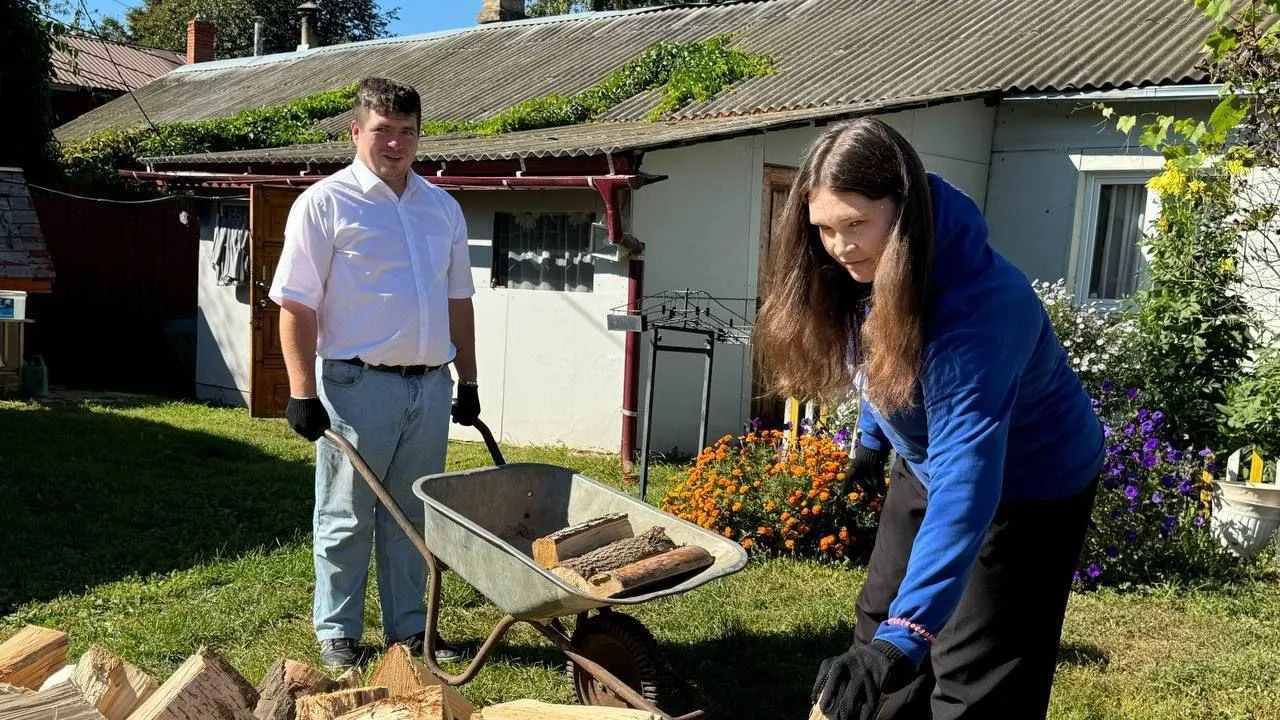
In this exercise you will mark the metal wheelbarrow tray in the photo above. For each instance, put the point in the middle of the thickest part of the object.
(482, 523)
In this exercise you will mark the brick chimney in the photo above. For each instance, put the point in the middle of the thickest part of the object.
(501, 11)
(200, 35)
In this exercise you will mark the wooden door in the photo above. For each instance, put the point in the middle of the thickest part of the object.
(269, 379)
(769, 410)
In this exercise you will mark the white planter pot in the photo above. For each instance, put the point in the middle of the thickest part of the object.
(1245, 517)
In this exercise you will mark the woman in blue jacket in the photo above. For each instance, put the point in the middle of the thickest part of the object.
(881, 278)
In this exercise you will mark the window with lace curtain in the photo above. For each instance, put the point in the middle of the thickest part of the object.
(543, 251)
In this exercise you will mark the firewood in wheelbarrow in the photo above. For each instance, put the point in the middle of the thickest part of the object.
(285, 682)
(817, 714)
(28, 658)
(621, 552)
(651, 570)
(335, 704)
(575, 540)
(400, 674)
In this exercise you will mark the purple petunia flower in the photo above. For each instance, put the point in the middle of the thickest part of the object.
(1112, 551)
(1131, 492)
(842, 436)
(1170, 521)
(1095, 403)
(1157, 497)
(1157, 416)
(1211, 467)
(1133, 506)
(1094, 570)
(1106, 431)
(786, 426)
(1076, 577)
(1151, 445)
(1148, 427)
(1150, 461)
(1143, 413)
(1175, 456)
(756, 424)
(1132, 394)
(1206, 452)
(1185, 487)
(1168, 481)
(1129, 429)
(1108, 386)
(1199, 521)
(1130, 534)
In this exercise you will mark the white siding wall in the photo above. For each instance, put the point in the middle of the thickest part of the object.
(223, 335)
(1031, 195)
(702, 228)
(549, 370)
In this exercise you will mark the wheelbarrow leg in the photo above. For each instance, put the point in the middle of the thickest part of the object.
(621, 689)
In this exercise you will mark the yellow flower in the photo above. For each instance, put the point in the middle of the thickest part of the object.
(1235, 166)
(1196, 186)
(1227, 265)
(1170, 182)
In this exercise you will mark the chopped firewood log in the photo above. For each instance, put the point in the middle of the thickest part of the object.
(650, 570)
(60, 702)
(620, 552)
(536, 710)
(330, 706)
(28, 658)
(285, 682)
(350, 680)
(817, 714)
(580, 539)
(400, 674)
(205, 686)
(110, 684)
(572, 579)
(434, 702)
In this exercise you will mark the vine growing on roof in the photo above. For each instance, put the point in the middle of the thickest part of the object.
(680, 72)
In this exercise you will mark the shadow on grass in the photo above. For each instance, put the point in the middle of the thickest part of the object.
(737, 675)
(1083, 655)
(93, 497)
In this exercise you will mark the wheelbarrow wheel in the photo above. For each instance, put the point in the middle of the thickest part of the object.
(626, 648)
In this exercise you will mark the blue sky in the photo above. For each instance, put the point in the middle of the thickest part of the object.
(416, 16)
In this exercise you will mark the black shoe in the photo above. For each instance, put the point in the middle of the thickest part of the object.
(342, 652)
(444, 652)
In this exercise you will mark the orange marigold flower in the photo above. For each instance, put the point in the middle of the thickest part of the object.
(743, 490)
(785, 516)
(769, 506)
(764, 531)
(805, 512)
(737, 472)
(756, 484)
(791, 544)
(798, 471)
(747, 543)
(727, 532)
(737, 506)
(825, 543)
(817, 509)
(824, 496)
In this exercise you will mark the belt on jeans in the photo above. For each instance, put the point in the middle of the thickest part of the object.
(403, 370)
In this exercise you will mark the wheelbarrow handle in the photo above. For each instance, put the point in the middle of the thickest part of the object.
(494, 451)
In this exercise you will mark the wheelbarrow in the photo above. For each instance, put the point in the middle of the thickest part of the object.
(482, 523)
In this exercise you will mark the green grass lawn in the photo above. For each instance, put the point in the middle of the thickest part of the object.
(155, 528)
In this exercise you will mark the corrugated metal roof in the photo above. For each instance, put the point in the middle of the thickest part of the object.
(110, 66)
(827, 52)
(605, 138)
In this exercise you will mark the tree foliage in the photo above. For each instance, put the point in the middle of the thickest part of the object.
(27, 37)
(163, 23)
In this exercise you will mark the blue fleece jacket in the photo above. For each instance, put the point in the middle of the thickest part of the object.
(999, 415)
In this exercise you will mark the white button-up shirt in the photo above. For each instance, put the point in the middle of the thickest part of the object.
(378, 269)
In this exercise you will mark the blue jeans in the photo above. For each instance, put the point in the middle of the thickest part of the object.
(400, 425)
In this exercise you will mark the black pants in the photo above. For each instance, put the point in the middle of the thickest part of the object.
(996, 656)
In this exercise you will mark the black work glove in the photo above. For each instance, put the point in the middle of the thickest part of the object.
(849, 686)
(307, 417)
(466, 409)
(866, 472)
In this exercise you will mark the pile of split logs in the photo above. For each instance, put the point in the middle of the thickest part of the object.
(602, 557)
(37, 683)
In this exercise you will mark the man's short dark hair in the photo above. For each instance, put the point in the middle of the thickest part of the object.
(386, 97)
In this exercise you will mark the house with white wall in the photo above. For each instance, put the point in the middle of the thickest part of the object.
(994, 95)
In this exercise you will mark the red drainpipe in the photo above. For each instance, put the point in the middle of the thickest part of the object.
(611, 190)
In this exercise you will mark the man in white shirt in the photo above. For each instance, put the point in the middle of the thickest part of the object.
(375, 289)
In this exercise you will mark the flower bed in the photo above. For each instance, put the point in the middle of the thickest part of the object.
(1150, 519)
(777, 498)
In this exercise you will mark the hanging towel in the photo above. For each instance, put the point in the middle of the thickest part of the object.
(231, 245)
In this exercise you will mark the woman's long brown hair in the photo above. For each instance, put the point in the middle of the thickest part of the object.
(813, 332)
